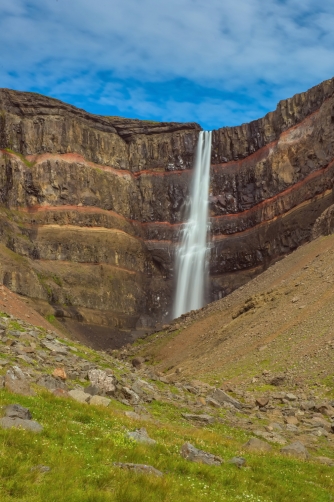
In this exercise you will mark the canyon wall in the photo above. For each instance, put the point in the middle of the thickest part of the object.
(91, 206)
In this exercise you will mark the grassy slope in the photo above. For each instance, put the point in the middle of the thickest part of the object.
(80, 443)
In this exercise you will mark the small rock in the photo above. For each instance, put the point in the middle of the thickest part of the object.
(204, 419)
(59, 373)
(51, 383)
(189, 452)
(212, 402)
(133, 415)
(60, 393)
(238, 461)
(41, 468)
(99, 401)
(291, 397)
(296, 449)
(140, 468)
(79, 395)
(277, 380)
(130, 395)
(92, 390)
(141, 436)
(291, 420)
(325, 461)
(221, 396)
(262, 401)
(255, 444)
(17, 411)
(29, 425)
(137, 362)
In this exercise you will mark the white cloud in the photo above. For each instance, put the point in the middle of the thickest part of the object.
(247, 46)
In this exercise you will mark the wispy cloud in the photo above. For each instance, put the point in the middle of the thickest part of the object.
(214, 62)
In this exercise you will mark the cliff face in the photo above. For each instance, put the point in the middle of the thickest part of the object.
(92, 206)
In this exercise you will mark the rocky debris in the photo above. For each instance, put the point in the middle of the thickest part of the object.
(296, 449)
(139, 468)
(189, 452)
(17, 382)
(103, 381)
(255, 444)
(222, 397)
(99, 401)
(16, 416)
(202, 419)
(238, 461)
(79, 395)
(141, 436)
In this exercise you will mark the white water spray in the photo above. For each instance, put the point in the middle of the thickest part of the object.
(191, 257)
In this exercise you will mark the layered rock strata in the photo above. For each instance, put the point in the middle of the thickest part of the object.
(92, 206)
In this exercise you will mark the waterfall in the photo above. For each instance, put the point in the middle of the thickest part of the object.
(191, 256)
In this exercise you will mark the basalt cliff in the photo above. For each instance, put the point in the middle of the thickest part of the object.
(91, 206)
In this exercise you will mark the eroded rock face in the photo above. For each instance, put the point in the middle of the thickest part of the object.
(92, 206)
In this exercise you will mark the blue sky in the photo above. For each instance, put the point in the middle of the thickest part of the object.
(215, 62)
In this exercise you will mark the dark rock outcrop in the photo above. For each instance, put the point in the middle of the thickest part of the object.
(91, 206)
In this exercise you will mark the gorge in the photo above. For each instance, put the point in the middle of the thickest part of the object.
(91, 206)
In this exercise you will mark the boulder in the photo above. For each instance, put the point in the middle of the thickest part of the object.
(17, 411)
(103, 381)
(19, 423)
(256, 444)
(221, 397)
(51, 382)
(79, 395)
(99, 401)
(296, 449)
(189, 452)
(16, 382)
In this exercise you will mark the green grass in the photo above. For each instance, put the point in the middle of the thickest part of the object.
(80, 443)
(22, 157)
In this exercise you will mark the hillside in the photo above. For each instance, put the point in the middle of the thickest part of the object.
(279, 323)
(247, 380)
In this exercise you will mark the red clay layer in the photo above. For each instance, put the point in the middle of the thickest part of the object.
(260, 205)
